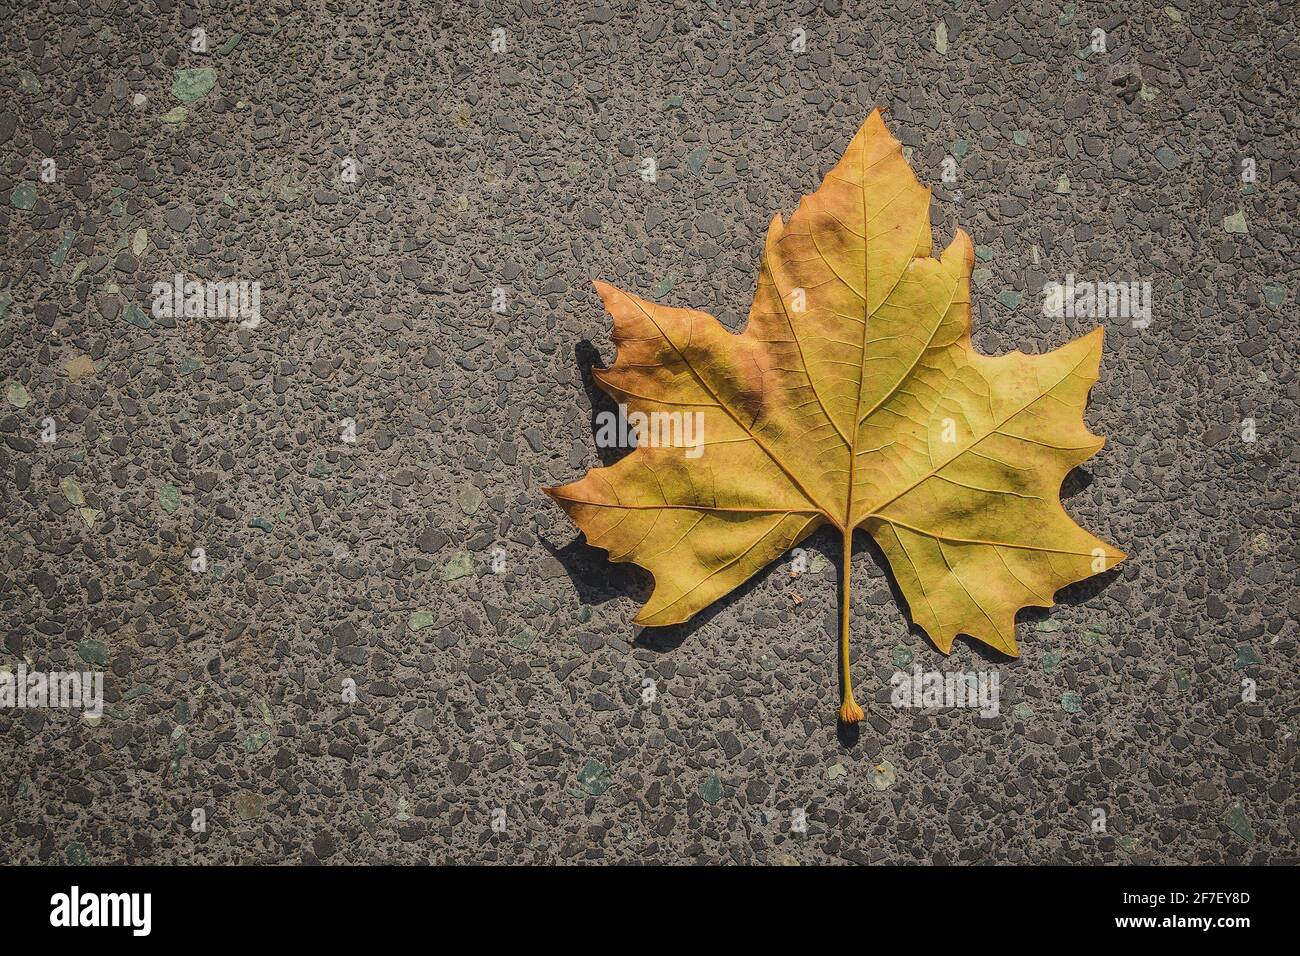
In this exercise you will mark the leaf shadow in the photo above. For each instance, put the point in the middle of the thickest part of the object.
(599, 580)
(1078, 480)
(588, 358)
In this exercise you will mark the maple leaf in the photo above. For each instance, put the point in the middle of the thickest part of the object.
(853, 398)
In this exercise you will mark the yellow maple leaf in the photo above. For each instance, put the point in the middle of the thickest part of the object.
(852, 398)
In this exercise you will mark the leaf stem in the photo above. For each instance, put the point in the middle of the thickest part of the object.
(850, 712)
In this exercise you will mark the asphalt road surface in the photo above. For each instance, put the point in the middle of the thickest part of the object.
(305, 545)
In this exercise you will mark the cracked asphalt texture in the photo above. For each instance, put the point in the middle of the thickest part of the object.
(524, 688)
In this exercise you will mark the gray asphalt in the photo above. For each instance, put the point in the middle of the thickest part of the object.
(330, 562)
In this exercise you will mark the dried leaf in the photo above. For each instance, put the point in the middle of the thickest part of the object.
(854, 398)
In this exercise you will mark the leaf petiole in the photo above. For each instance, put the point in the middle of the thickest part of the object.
(850, 712)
